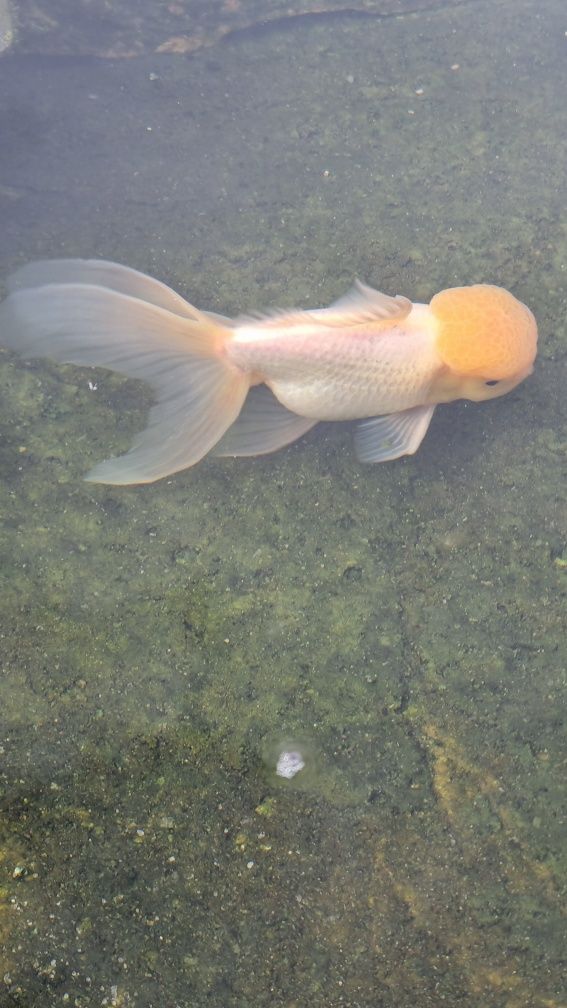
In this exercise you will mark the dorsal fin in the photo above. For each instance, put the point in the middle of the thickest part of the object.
(360, 305)
(364, 304)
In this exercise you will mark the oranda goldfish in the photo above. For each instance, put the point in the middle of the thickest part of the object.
(251, 385)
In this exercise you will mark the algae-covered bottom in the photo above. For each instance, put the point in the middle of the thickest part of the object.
(147, 844)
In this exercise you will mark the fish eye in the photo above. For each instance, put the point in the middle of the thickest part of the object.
(493, 381)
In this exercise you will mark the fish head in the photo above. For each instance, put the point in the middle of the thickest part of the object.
(486, 339)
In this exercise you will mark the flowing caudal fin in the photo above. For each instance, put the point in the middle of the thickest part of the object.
(103, 273)
(199, 394)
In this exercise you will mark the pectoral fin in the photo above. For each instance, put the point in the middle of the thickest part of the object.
(384, 438)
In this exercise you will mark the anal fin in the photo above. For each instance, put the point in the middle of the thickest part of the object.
(263, 426)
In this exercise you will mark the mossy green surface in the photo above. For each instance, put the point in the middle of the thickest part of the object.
(406, 620)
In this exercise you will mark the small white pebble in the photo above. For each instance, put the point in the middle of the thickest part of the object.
(289, 763)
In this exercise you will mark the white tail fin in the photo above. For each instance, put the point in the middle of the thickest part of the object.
(103, 273)
(199, 394)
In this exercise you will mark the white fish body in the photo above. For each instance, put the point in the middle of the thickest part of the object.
(346, 371)
(252, 385)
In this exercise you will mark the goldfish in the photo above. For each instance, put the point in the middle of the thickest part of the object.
(251, 385)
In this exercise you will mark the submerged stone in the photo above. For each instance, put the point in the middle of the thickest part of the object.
(68, 27)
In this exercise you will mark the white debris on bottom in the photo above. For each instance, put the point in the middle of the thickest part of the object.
(290, 762)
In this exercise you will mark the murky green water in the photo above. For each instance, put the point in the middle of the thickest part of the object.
(406, 621)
